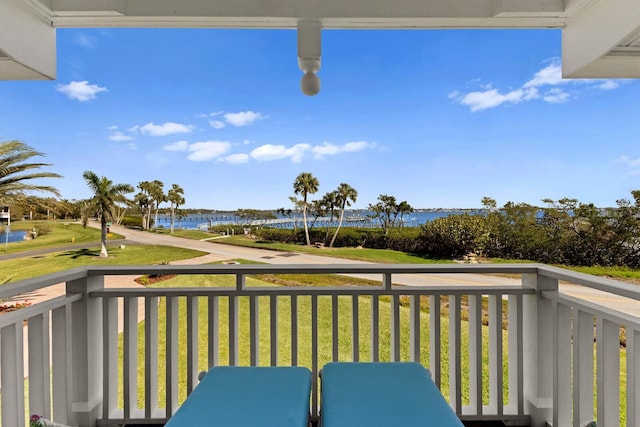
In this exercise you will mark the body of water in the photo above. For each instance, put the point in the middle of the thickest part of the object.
(352, 219)
(14, 236)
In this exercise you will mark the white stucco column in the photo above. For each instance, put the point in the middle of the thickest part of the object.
(538, 349)
(86, 352)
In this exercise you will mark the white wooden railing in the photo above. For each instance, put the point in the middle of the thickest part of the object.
(524, 353)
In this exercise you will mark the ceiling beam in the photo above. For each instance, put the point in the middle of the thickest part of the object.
(287, 13)
(27, 44)
(590, 41)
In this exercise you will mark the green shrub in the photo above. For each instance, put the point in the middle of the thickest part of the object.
(42, 228)
(132, 221)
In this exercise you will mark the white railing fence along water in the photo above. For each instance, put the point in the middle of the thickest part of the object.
(524, 354)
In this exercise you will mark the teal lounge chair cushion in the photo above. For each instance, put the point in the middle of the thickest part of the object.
(382, 395)
(248, 396)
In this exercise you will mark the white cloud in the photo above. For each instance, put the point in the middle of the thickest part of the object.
(632, 163)
(176, 146)
(269, 152)
(236, 159)
(119, 136)
(243, 118)
(207, 150)
(330, 149)
(549, 78)
(550, 75)
(168, 128)
(479, 101)
(81, 91)
(217, 124)
(608, 85)
(556, 96)
(113, 127)
(84, 40)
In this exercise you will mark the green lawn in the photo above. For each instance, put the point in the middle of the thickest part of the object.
(39, 265)
(189, 234)
(61, 233)
(386, 256)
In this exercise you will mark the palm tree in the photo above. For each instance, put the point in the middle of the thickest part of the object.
(157, 197)
(105, 196)
(345, 195)
(305, 184)
(175, 198)
(14, 172)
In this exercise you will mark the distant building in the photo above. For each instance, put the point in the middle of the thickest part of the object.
(5, 213)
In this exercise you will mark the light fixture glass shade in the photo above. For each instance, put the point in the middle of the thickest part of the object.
(310, 84)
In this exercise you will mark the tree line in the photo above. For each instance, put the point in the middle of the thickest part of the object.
(564, 231)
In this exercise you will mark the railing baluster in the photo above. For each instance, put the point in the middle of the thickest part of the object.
(192, 343)
(582, 368)
(39, 371)
(130, 355)
(110, 369)
(355, 329)
(273, 315)
(562, 365)
(150, 356)
(395, 328)
(435, 348)
(375, 332)
(294, 330)
(475, 353)
(414, 328)
(608, 372)
(254, 330)
(12, 375)
(514, 336)
(171, 356)
(455, 360)
(233, 330)
(334, 328)
(633, 377)
(213, 334)
(495, 354)
(60, 359)
(314, 355)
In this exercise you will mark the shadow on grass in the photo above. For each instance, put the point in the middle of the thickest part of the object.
(80, 253)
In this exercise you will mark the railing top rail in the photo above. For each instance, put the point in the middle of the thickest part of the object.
(306, 291)
(34, 310)
(600, 283)
(315, 269)
(594, 308)
(28, 285)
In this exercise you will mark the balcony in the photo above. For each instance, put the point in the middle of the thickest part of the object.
(534, 353)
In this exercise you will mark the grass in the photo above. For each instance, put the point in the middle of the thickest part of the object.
(385, 256)
(62, 233)
(40, 265)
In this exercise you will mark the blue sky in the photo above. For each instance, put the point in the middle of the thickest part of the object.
(436, 118)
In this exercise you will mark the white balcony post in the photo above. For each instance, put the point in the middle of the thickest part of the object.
(538, 349)
(86, 353)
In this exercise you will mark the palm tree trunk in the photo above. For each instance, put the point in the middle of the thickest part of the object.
(103, 237)
(306, 228)
(333, 239)
(173, 217)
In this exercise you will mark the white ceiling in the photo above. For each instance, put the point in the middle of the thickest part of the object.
(601, 38)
